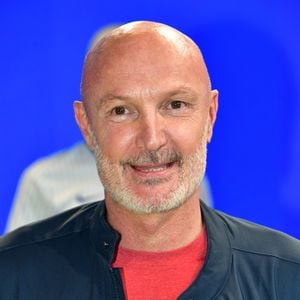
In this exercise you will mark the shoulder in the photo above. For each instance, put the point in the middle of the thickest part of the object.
(252, 238)
(59, 170)
(248, 238)
(40, 254)
(73, 221)
(63, 158)
(263, 257)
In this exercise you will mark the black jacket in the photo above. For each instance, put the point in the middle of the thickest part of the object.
(69, 256)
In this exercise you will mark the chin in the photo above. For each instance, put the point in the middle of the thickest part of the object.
(152, 200)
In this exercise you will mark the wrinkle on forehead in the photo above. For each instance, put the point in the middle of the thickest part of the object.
(146, 38)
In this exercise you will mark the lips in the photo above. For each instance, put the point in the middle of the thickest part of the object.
(152, 168)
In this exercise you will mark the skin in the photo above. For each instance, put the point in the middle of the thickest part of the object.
(145, 89)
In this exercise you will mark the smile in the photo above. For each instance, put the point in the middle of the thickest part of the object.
(153, 168)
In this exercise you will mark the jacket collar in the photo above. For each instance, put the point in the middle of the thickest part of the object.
(210, 281)
(215, 272)
(102, 235)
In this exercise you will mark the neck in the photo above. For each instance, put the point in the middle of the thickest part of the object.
(156, 232)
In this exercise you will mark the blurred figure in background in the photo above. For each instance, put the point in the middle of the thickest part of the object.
(64, 179)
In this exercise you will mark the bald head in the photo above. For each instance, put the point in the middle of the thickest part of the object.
(136, 47)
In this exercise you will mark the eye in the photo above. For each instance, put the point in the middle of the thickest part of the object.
(119, 110)
(176, 104)
(122, 113)
(179, 107)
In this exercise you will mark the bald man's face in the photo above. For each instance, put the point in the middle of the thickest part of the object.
(151, 113)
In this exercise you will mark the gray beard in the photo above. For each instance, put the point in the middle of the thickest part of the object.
(192, 169)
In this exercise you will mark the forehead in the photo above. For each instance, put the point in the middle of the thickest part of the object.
(147, 62)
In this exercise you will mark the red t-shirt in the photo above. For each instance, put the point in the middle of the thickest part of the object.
(160, 275)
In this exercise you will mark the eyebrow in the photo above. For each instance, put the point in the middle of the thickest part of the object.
(182, 91)
(109, 97)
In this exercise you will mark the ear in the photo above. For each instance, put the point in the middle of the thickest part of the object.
(213, 109)
(82, 122)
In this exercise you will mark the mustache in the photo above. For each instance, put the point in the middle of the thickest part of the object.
(154, 157)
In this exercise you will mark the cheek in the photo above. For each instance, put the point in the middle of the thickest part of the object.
(188, 135)
(117, 141)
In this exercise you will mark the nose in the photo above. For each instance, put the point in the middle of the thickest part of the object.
(152, 132)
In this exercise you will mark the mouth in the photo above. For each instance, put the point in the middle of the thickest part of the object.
(153, 170)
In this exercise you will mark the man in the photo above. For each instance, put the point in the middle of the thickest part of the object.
(147, 113)
(65, 179)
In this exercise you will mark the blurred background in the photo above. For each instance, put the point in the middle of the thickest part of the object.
(252, 49)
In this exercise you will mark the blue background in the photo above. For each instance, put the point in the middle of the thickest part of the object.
(252, 50)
